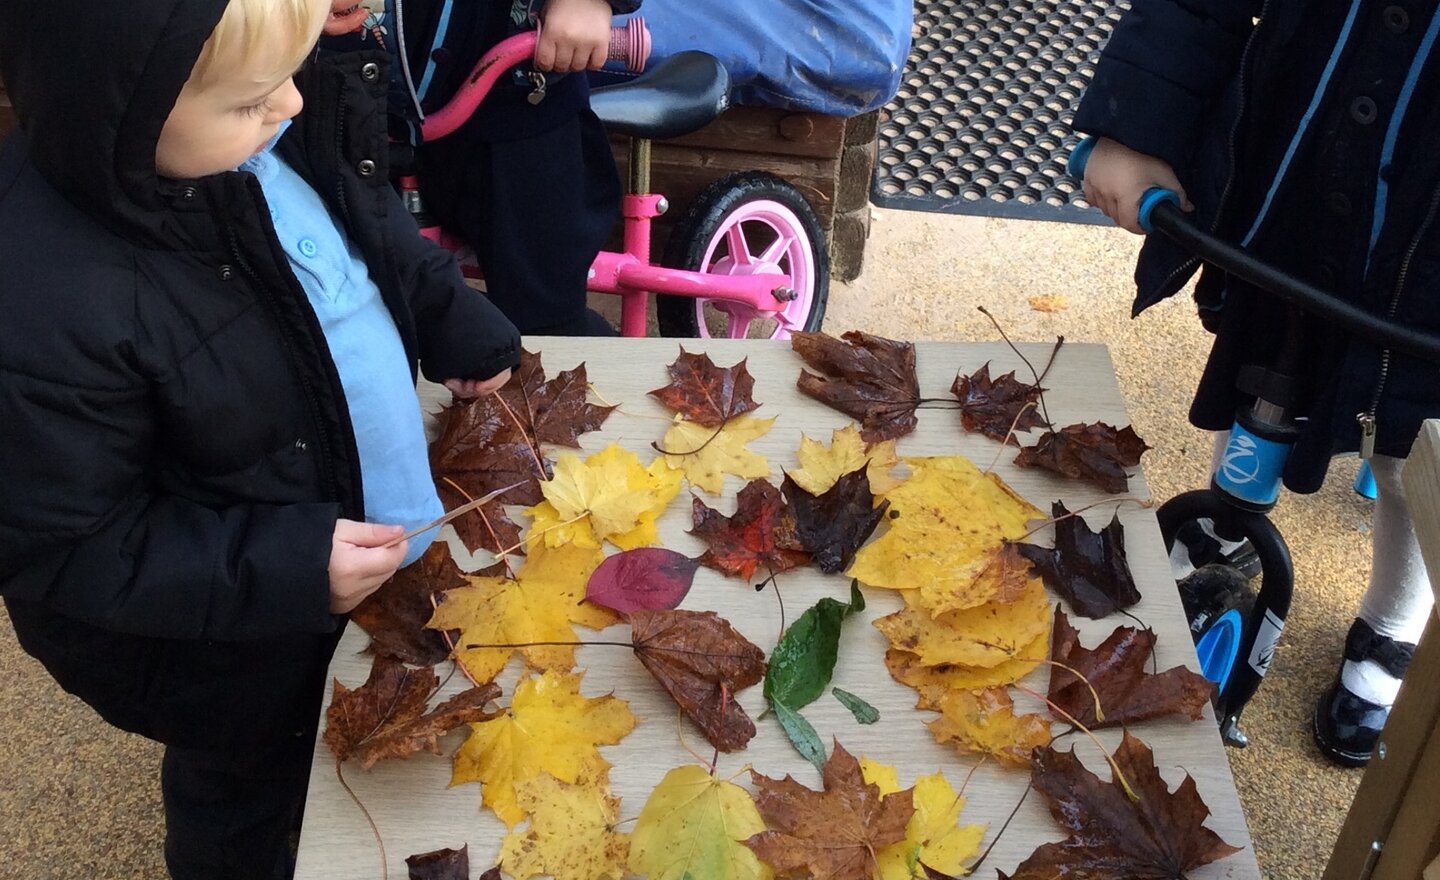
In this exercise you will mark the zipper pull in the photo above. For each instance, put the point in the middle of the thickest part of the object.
(1367, 435)
(537, 94)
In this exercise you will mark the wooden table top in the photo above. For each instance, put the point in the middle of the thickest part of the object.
(416, 811)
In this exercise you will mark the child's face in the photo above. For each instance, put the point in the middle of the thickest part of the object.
(216, 128)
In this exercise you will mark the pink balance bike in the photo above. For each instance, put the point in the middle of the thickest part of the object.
(747, 259)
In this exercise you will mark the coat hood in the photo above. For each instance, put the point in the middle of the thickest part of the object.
(92, 82)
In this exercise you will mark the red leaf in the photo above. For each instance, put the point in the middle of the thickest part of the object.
(1097, 453)
(832, 526)
(1116, 669)
(702, 662)
(644, 578)
(1159, 837)
(395, 615)
(1089, 569)
(442, 864)
(706, 394)
(990, 407)
(870, 379)
(762, 532)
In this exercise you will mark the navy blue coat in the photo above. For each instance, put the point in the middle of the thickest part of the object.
(1309, 137)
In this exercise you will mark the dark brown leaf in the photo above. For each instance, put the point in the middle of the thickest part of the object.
(395, 615)
(443, 864)
(1159, 837)
(556, 411)
(706, 394)
(386, 717)
(832, 526)
(1088, 569)
(487, 528)
(1116, 669)
(761, 533)
(833, 833)
(868, 378)
(703, 662)
(1097, 453)
(990, 406)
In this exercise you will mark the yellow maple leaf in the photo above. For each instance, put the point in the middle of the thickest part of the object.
(550, 727)
(932, 683)
(985, 722)
(711, 453)
(947, 527)
(820, 467)
(537, 606)
(692, 827)
(932, 837)
(571, 834)
(609, 495)
(986, 635)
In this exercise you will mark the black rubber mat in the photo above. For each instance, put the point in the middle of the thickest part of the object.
(981, 124)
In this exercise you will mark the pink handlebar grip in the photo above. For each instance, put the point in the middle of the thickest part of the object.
(630, 45)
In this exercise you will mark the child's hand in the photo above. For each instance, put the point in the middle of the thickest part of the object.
(360, 562)
(346, 17)
(574, 35)
(1117, 176)
(477, 387)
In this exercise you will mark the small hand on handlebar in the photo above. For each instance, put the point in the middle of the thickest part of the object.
(1115, 178)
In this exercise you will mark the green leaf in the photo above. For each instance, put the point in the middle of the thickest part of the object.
(804, 660)
(802, 735)
(863, 711)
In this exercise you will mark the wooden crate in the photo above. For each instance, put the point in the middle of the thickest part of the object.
(828, 158)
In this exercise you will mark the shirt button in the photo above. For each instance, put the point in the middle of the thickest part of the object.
(1363, 110)
(308, 248)
(1396, 19)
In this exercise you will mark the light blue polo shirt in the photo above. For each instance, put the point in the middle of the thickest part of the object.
(366, 347)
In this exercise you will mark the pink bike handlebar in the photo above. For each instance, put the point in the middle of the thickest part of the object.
(629, 44)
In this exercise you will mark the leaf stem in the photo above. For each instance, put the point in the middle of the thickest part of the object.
(1046, 523)
(532, 446)
(1043, 411)
(384, 859)
(1008, 819)
(718, 431)
(1009, 435)
(1119, 775)
(450, 643)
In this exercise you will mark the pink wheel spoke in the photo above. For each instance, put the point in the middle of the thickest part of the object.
(739, 327)
(777, 249)
(739, 248)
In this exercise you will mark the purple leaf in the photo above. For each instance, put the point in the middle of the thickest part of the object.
(650, 578)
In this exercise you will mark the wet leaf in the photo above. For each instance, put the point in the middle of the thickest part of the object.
(441, 864)
(990, 406)
(821, 466)
(801, 734)
(704, 393)
(864, 712)
(1088, 569)
(833, 525)
(932, 836)
(608, 496)
(804, 660)
(869, 378)
(702, 662)
(571, 835)
(933, 682)
(1160, 837)
(761, 533)
(1116, 669)
(984, 722)
(386, 717)
(835, 833)
(395, 615)
(705, 455)
(646, 577)
(693, 826)
(986, 635)
(1096, 453)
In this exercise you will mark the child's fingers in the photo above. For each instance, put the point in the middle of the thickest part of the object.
(545, 53)
(598, 55)
(362, 534)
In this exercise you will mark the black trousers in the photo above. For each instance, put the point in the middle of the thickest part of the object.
(536, 210)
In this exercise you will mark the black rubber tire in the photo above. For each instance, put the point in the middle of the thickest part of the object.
(686, 249)
(1209, 592)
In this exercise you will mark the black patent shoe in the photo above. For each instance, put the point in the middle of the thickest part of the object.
(1347, 727)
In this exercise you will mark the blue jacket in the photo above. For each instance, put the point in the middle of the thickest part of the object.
(1303, 129)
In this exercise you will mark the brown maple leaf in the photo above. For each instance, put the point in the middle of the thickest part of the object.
(761, 532)
(832, 526)
(386, 718)
(833, 833)
(868, 378)
(702, 662)
(1160, 836)
(1096, 453)
(1116, 669)
(442, 864)
(395, 615)
(556, 411)
(990, 406)
(1088, 569)
(706, 394)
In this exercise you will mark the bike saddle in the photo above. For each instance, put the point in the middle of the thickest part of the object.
(683, 93)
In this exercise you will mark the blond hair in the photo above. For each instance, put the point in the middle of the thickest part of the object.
(281, 32)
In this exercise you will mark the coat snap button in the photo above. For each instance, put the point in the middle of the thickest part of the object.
(1396, 19)
(226, 272)
(366, 167)
(301, 444)
(1363, 110)
(187, 194)
(370, 72)
(1339, 203)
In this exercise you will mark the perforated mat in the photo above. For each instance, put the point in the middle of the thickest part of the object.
(981, 124)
